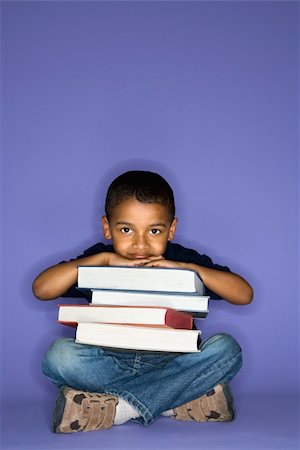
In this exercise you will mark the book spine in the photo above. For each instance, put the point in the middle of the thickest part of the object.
(176, 319)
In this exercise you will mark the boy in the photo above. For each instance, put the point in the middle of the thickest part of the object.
(100, 387)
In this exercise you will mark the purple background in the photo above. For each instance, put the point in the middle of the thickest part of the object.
(204, 93)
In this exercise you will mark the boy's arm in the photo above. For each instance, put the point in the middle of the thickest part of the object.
(56, 280)
(227, 285)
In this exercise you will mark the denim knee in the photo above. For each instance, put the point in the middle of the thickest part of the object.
(225, 342)
(58, 358)
(223, 345)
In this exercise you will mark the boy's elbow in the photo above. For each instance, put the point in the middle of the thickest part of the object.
(247, 296)
(40, 291)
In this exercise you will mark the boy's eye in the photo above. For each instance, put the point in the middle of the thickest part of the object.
(125, 230)
(155, 231)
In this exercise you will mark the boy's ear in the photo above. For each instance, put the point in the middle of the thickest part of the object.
(105, 227)
(172, 229)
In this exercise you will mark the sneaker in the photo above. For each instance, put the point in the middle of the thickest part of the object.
(83, 411)
(215, 406)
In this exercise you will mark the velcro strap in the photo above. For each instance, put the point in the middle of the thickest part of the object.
(100, 413)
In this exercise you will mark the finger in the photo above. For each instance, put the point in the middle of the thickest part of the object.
(140, 262)
(154, 264)
(156, 258)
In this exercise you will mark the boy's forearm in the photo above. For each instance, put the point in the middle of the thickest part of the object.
(227, 285)
(56, 280)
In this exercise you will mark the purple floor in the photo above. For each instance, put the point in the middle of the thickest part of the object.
(262, 423)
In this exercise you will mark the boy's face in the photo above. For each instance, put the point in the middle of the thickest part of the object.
(139, 230)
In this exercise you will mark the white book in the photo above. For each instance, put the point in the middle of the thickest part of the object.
(194, 304)
(140, 279)
(138, 338)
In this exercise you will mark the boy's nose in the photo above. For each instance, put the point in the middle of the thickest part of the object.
(140, 243)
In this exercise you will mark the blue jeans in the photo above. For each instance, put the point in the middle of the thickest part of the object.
(151, 382)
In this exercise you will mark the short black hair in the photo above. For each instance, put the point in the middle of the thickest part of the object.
(145, 186)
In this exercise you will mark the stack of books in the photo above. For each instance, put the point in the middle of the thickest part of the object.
(136, 308)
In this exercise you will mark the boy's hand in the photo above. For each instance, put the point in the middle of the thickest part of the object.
(116, 260)
(164, 263)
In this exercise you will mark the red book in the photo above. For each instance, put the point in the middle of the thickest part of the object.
(125, 315)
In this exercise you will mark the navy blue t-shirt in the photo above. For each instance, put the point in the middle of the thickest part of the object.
(174, 252)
